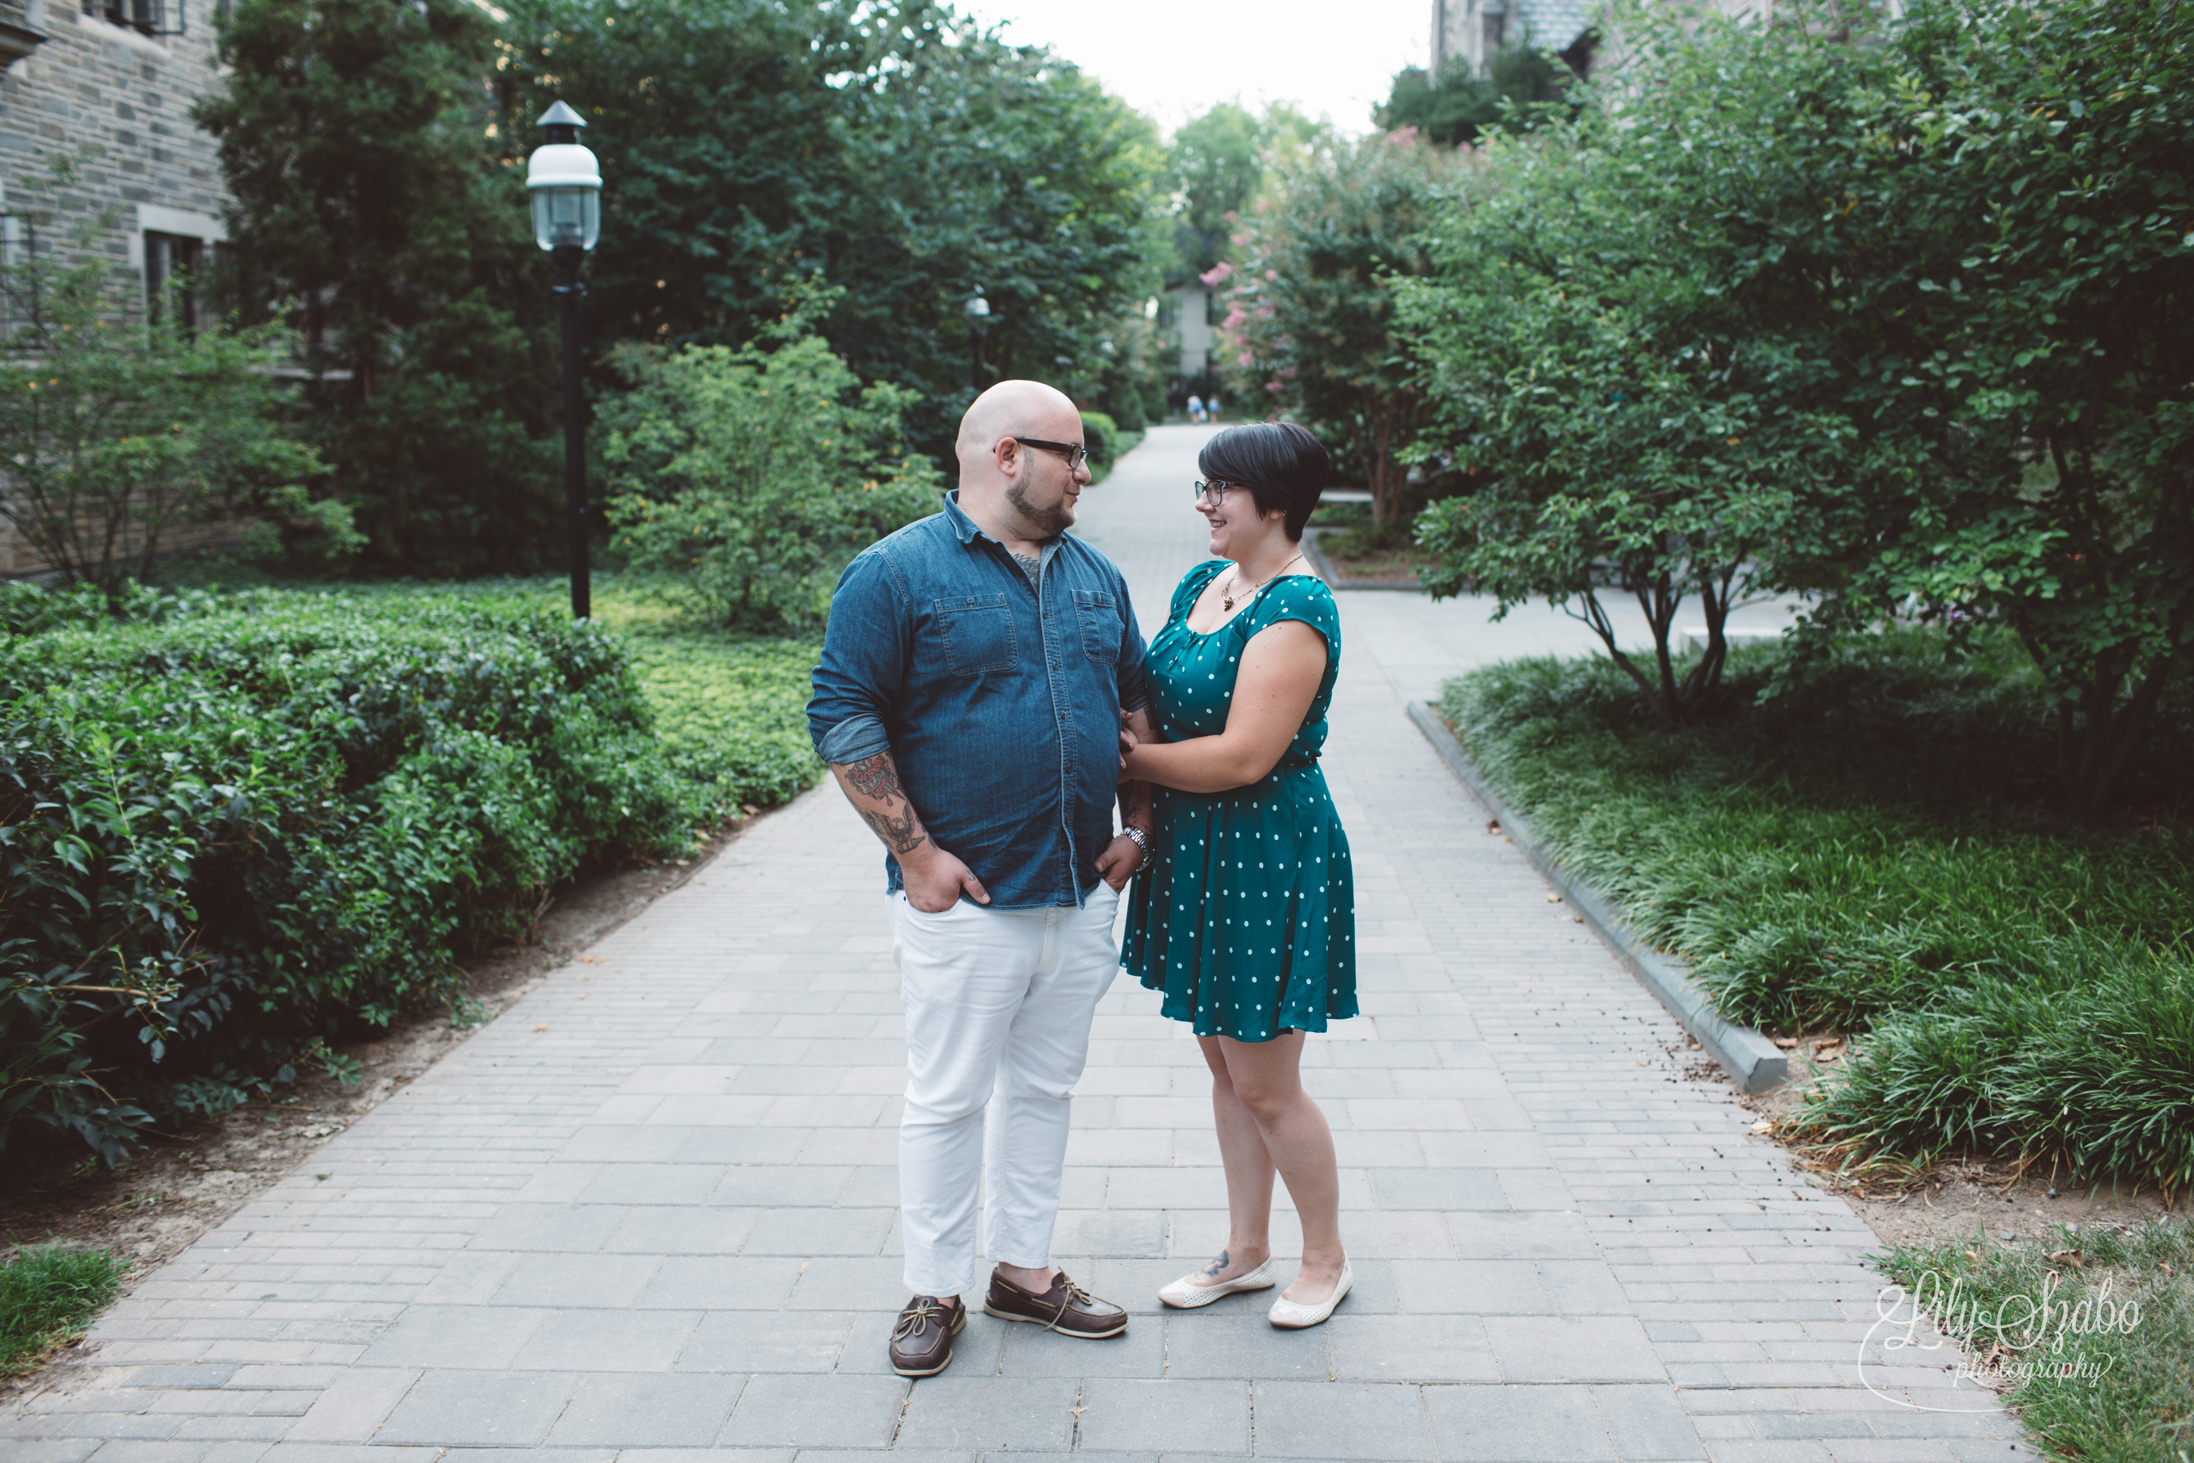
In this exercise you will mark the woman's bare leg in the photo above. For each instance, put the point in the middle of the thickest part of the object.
(1249, 1176)
(1265, 1079)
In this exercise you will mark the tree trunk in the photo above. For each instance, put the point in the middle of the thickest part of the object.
(2097, 737)
(1382, 461)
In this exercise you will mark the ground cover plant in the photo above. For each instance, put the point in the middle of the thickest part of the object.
(236, 824)
(2092, 1327)
(49, 1293)
(1875, 851)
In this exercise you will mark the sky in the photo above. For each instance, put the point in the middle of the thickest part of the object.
(1172, 59)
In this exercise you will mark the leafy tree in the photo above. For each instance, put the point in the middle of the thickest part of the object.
(1311, 328)
(757, 474)
(1632, 428)
(374, 212)
(898, 154)
(116, 428)
(1998, 299)
(1626, 434)
(1216, 163)
(2034, 166)
(1522, 86)
(1954, 244)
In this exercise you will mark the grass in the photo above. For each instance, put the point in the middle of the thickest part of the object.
(48, 1295)
(1872, 853)
(2089, 1390)
(731, 709)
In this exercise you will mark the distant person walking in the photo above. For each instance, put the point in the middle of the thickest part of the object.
(1246, 919)
(968, 701)
(1195, 408)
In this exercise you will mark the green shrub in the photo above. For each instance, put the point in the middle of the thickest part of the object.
(754, 476)
(1870, 851)
(1102, 436)
(49, 1293)
(232, 823)
(1365, 538)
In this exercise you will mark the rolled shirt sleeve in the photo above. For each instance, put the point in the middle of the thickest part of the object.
(863, 666)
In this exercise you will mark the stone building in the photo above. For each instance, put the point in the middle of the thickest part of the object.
(1191, 309)
(109, 83)
(1467, 33)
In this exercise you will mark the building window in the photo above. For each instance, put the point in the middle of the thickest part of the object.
(168, 255)
(148, 17)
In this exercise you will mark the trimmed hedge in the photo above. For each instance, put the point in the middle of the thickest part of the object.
(231, 824)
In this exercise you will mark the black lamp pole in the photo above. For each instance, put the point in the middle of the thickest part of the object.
(564, 182)
(571, 292)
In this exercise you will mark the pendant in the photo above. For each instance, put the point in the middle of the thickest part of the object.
(1226, 601)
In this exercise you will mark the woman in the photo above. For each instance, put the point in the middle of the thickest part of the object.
(1246, 918)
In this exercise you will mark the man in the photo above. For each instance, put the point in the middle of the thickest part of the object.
(968, 703)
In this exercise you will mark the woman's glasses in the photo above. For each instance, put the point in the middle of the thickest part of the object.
(1213, 493)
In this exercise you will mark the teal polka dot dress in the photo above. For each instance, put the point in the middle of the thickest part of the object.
(1246, 917)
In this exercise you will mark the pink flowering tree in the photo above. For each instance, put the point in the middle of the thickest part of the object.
(1310, 324)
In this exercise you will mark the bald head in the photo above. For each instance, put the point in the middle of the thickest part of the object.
(1020, 495)
(1023, 408)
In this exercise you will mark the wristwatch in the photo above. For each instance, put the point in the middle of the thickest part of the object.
(1142, 841)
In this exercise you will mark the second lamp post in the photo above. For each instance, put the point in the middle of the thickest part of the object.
(978, 321)
(566, 188)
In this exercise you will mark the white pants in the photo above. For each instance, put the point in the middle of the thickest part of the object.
(998, 1005)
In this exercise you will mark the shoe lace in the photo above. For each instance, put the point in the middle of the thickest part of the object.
(915, 1319)
(1070, 1296)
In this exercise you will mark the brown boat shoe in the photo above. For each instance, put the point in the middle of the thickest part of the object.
(921, 1343)
(1065, 1308)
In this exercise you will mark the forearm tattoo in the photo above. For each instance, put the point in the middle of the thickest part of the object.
(900, 835)
(875, 777)
(1135, 807)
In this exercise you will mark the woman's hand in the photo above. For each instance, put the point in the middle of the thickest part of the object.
(1136, 729)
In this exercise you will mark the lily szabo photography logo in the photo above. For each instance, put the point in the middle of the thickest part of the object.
(2015, 1340)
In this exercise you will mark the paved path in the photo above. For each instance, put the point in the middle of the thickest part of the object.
(651, 1208)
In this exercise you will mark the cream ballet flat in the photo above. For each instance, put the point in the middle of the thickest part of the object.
(1291, 1315)
(1184, 1296)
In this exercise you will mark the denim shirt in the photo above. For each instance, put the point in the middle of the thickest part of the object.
(997, 698)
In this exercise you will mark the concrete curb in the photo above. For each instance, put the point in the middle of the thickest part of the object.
(1324, 566)
(1756, 1063)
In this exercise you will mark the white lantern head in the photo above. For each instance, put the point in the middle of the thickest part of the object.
(565, 183)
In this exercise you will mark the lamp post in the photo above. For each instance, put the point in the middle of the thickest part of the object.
(978, 320)
(566, 188)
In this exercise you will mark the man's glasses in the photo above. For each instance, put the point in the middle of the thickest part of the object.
(1075, 453)
(1213, 493)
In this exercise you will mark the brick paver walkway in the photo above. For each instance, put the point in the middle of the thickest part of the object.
(652, 1207)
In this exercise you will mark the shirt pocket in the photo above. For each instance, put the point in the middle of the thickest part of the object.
(1098, 615)
(976, 631)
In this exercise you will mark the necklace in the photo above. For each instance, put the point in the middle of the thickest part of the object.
(1227, 598)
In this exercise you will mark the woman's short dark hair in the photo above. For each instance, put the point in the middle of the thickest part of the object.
(1281, 464)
